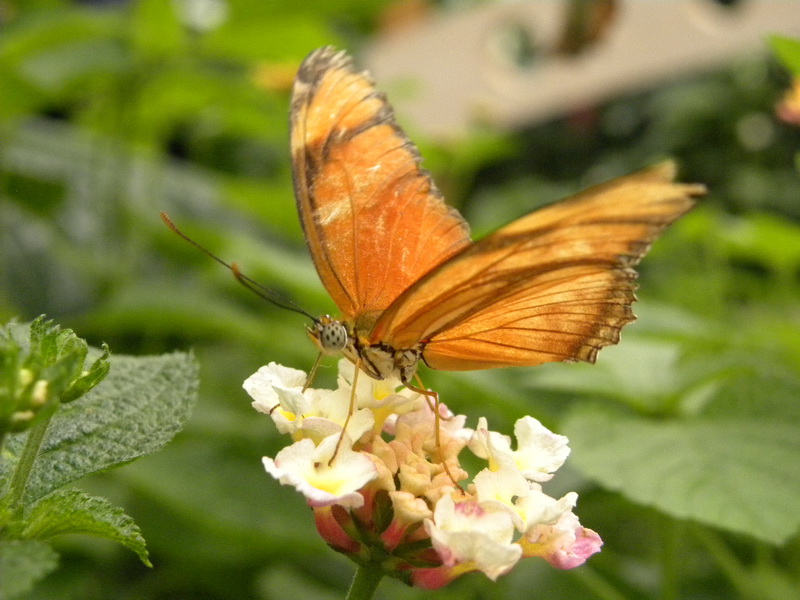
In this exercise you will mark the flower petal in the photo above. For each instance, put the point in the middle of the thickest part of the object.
(466, 534)
(305, 467)
(537, 508)
(565, 545)
(540, 452)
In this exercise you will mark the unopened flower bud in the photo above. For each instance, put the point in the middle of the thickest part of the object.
(20, 419)
(40, 393)
(24, 378)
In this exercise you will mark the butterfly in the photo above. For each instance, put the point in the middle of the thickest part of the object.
(554, 285)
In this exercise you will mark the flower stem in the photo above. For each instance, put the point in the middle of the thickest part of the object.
(365, 582)
(24, 467)
(730, 565)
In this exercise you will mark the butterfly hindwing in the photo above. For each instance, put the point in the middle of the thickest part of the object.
(556, 284)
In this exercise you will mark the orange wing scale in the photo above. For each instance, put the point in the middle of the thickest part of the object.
(373, 219)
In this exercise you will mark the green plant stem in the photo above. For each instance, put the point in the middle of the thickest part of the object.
(600, 586)
(728, 562)
(365, 582)
(22, 472)
(673, 533)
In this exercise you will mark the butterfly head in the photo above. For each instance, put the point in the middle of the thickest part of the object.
(330, 336)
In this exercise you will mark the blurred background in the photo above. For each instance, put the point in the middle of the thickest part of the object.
(111, 111)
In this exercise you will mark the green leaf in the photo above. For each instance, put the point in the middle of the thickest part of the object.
(788, 51)
(766, 239)
(737, 474)
(644, 373)
(157, 32)
(20, 97)
(22, 564)
(72, 64)
(137, 409)
(50, 30)
(73, 511)
(89, 378)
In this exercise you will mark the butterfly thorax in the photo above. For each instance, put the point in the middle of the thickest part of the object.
(379, 361)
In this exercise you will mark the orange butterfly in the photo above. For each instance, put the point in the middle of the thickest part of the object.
(554, 285)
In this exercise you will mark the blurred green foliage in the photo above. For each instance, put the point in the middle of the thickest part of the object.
(112, 112)
(66, 418)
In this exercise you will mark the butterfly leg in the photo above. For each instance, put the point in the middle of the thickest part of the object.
(312, 373)
(433, 397)
(350, 410)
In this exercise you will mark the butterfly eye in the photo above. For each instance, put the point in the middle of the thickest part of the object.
(330, 335)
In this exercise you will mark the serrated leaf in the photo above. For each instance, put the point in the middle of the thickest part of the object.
(50, 343)
(737, 474)
(73, 511)
(89, 379)
(137, 409)
(22, 564)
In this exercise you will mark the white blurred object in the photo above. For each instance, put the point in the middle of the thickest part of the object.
(202, 15)
(449, 71)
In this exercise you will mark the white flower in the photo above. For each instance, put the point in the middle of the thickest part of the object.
(275, 387)
(367, 388)
(502, 484)
(332, 408)
(316, 414)
(508, 481)
(524, 499)
(564, 544)
(489, 445)
(539, 452)
(378, 395)
(305, 466)
(502, 488)
(537, 508)
(468, 534)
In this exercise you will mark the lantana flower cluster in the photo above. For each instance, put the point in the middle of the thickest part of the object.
(384, 497)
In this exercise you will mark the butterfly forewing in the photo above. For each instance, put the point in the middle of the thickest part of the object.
(373, 219)
(556, 284)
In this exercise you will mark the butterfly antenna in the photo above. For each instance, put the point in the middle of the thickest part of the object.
(259, 290)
